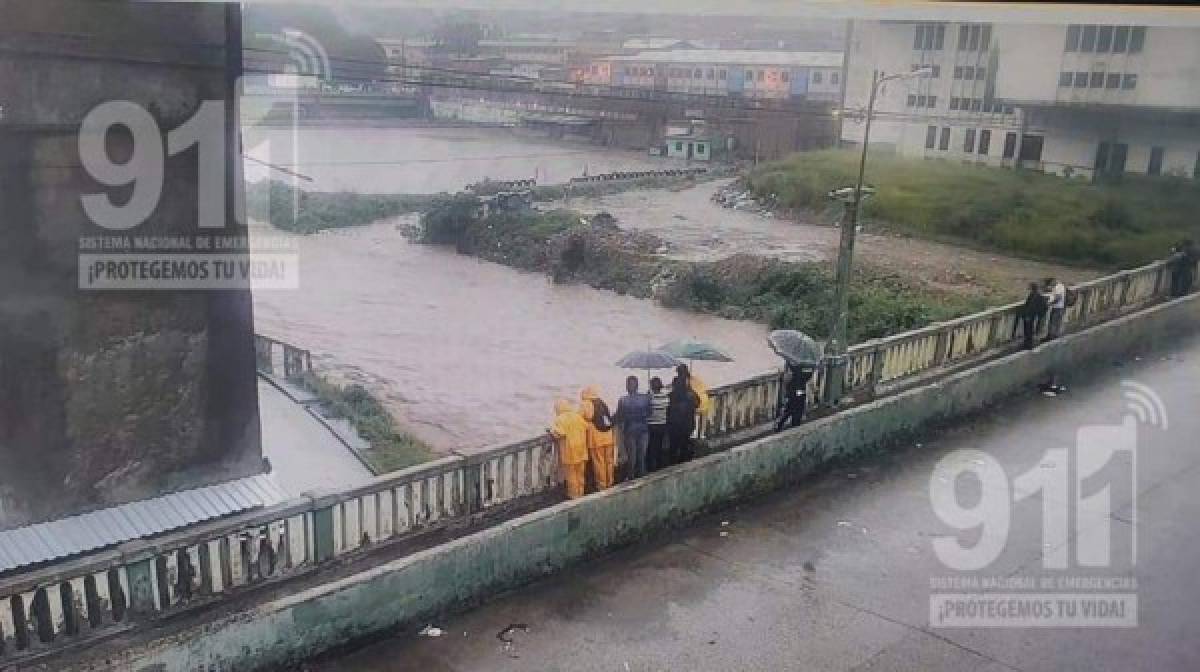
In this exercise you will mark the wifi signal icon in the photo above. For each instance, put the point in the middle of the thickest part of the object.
(1144, 404)
(306, 56)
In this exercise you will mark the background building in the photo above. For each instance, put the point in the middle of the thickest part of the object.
(722, 72)
(1071, 99)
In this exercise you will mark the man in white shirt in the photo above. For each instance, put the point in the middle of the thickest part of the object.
(1057, 298)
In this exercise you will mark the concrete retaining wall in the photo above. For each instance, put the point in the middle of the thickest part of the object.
(463, 572)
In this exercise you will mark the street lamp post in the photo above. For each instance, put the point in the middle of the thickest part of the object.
(836, 347)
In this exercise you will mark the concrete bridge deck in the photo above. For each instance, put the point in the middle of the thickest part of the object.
(835, 574)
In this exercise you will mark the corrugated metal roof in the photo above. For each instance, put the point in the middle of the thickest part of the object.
(43, 542)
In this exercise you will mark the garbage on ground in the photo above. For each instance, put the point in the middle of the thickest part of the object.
(431, 631)
(724, 523)
(724, 533)
(505, 636)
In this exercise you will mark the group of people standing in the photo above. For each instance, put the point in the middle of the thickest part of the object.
(1049, 302)
(647, 432)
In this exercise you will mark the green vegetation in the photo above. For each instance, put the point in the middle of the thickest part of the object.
(789, 295)
(571, 247)
(326, 210)
(390, 449)
(1119, 223)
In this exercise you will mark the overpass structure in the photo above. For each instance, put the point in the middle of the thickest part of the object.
(276, 584)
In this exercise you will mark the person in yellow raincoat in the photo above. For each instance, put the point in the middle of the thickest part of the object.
(701, 391)
(602, 445)
(571, 431)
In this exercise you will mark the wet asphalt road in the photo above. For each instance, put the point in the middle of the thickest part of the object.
(835, 574)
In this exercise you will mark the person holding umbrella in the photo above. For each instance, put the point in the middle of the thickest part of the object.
(795, 392)
(600, 442)
(681, 419)
(570, 430)
(633, 417)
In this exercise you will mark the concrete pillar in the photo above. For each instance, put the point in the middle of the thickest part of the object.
(112, 396)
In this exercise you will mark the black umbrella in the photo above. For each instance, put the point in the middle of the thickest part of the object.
(647, 360)
(795, 347)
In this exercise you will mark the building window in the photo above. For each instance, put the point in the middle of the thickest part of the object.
(709, 74)
(969, 141)
(981, 73)
(1112, 81)
(1081, 79)
(761, 74)
(1097, 80)
(1120, 39)
(1072, 38)
(679, 146)
(973, 43)
(920, 101)
(699, 149)
(958, 72)
(954, 103)
(816, 78)
(1010, 145)
(985, 139)
(932, 101)
(1065, 78)
(944, 141)
(1087, 39)
(833, 78)
(721, 73)
(749, 75)
(968, 72)
(964, 32)
(985, 37)
(939, 37)
(912, 100)
(697, 74)
(976, 104)
(1156, 158)
(1104, 38)
(1129, 81)
(1137, 39)
(1110, 158)
(783, 76)
(930, 136)
(919, 37)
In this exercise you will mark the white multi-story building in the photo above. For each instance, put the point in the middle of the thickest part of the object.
(1069, 99)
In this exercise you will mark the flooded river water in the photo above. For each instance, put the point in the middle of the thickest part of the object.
(427, 160)
(465, 353)
(468, 353)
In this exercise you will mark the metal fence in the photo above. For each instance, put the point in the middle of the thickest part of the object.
(75, 599)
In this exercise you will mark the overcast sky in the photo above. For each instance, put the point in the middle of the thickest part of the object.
(839, 9)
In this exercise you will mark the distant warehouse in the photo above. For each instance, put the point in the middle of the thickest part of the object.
(811, 75)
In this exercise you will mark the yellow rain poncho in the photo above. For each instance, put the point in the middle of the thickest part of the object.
(701, 390)
(602, 444)
(571, 431)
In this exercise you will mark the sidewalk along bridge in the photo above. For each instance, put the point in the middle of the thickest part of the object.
(87, 599)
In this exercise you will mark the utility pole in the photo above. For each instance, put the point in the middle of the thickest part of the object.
(835, 348)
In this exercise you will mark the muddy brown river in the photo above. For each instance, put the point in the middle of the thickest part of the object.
(466, 353)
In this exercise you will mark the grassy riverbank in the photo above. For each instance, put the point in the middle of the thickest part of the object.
(572, 247)
(1121, 223)
(389, 449)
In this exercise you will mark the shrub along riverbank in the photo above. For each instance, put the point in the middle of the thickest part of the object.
(572, 247)
(1121, 223)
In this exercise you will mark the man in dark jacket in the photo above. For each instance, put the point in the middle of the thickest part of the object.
(1031, 314)
(795, 399)
(1183, 268)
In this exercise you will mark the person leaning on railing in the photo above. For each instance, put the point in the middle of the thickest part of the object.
(1183, 267)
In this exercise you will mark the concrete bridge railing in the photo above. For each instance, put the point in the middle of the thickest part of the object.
(80, 599)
